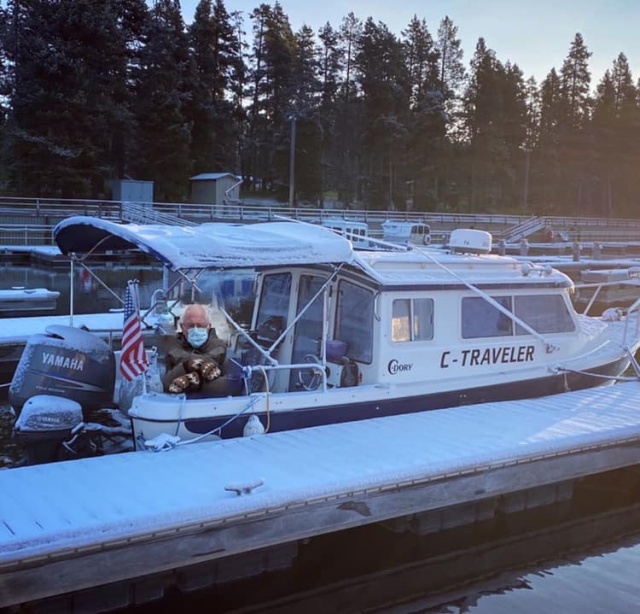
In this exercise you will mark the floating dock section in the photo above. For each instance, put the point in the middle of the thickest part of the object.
(77, 525)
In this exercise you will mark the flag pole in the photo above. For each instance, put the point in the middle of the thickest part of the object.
(135, 293)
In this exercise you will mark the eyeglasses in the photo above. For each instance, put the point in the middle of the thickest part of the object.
(190, 325)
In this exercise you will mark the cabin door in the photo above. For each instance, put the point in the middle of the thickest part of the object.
(307, 337)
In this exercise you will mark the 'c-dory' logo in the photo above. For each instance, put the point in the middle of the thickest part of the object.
(395, 367)
(65, 362)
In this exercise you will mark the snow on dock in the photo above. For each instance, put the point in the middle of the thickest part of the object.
(88, 503)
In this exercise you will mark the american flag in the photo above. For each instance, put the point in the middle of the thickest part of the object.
(133, 360)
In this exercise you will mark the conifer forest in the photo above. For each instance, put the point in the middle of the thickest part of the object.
(96, 90)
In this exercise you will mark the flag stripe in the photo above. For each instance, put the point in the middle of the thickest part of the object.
(133, 360)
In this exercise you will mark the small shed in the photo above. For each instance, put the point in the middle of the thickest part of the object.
(129, 190)
(215, 188)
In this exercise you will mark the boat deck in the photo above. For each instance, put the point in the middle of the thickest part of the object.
(77, 524)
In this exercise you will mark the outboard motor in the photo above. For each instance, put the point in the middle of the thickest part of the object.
(67, 362)
(45, 423)
(62, 373)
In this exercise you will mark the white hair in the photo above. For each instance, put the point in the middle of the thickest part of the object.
(205, 309)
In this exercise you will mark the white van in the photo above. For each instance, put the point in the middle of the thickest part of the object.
(417, 233)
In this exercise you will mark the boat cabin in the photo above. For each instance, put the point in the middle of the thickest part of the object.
(399, 317)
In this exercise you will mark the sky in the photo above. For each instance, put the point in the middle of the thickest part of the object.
(535, 35)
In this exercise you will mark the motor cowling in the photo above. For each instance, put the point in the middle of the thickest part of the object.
(44, 424)
(66, 362)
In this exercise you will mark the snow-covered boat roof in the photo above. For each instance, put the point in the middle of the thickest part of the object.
(214, 245)
(424, 265)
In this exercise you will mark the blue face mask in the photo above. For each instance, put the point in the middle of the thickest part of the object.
(197, 336)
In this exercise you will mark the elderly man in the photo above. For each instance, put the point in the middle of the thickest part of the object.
(195, 357)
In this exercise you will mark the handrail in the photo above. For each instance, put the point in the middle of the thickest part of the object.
(253, 210)
(145, 214)
(523, 230)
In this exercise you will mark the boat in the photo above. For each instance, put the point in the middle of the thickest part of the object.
(338, 334)
(19, 300)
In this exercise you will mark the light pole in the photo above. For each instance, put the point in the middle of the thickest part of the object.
(292, 163)
(525, 191)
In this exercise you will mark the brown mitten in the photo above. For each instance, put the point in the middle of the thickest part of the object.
(193, 364)
(210, 371)
(181, 383)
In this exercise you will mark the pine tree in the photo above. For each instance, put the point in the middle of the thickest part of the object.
(421, 58)
(531, 142)
(213, 109)
(495, 109)
(331, 56)
(576, 152)
(575, 80)
(166, 77)
(452, 72)
(384, 81)
(306, 106)
(428, 118)
(349, 118)
(68, 105)
(615, 129)
(548, 150)
(272, 91)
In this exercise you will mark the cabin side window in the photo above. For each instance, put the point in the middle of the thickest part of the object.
(354, 320)
(481, 319)
(545, 314)
(412, 319)
(274, 306)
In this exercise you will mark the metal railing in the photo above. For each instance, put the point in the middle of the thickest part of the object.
(25, 235)
(523, 230)
(146, 214)
(30, 221)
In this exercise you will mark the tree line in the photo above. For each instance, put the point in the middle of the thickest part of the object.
(97, 90)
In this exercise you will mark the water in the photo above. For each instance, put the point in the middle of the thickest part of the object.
(89, 295)
(550, 570)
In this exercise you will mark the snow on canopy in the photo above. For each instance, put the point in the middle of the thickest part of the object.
(214, 245)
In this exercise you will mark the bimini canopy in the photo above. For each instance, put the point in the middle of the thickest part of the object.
(207, 245)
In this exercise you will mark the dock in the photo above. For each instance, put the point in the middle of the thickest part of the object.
(89, 524)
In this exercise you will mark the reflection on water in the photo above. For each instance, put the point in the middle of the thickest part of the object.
(579, 556)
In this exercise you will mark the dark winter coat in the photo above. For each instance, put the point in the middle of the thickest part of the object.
(179, 351)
